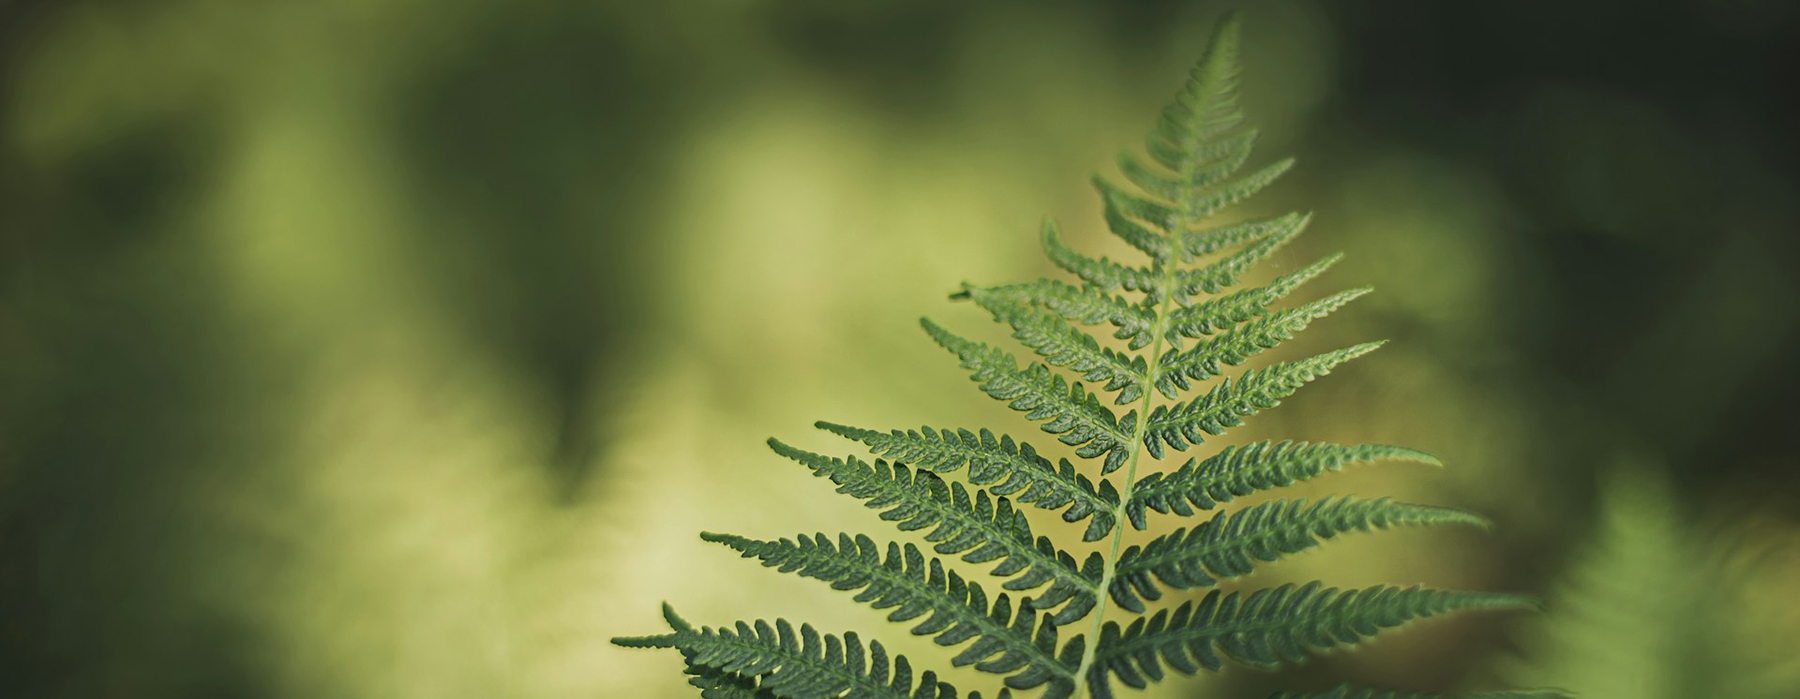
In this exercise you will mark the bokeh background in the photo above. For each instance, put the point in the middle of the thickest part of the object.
(361, 348)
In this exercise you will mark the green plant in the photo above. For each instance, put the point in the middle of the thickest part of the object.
(1192, 329)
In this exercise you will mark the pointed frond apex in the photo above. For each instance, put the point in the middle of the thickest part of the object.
(1237, 471)
(1205, 109)
(1268, 628)
(1348, 692)
(1231, 545)
(1231, 401)
(1022, 644)
(981, 528)
(1005, 466)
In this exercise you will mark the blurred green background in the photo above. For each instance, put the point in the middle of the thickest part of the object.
(361, 348)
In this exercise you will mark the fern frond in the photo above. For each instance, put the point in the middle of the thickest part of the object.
(1101, 273)
(981, 528)
(806, 665)
(1213, 200)
(1123, 211)
(1205, 109)
(1237, 471)
(1225, 272)
(1348, 692)
(1267, 628)
(1221, 312)
(1006, 467)
(1021, 645)
(1088, 306)
(1205, 241)
(1230, 544)
(1064, 346)
(1231, 348)
(1197, 165)
(1231, 401)
(714, 683)
(1073, 413)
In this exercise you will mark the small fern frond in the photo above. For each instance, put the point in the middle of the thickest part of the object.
(1073, 413)
(1120, 208)
(1213, 200)
(806, 665)
(1231, 401)
(1087, 306)
(981, 528)
(1064, 346)
(1268, 628)
(1203, 361)
(1222, 312)
(1231, 544)
(1101, 273)
(1214, 277)
(1022, 645)
(1237, 471)
(1348, 692)
(1006, 467)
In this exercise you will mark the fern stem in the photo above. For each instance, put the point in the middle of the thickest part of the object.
(1152, 373)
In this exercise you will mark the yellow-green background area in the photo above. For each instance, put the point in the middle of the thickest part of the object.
(359, 348)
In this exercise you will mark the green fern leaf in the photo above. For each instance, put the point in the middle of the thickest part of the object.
(1063, 346)
(1197, 166)
(1230, 544)
(1041, 394)
(1231, 401)
(1119, 208)
(1088, 306)
(714, 683)
(1101, 273)
(981, 528)
(1348, 692)
(1241, 470)
(1010, 466)
(1268, 628)
(1231, 348)
(1222, 312)
(806, 665)
(1215, 277)
(1020, 645)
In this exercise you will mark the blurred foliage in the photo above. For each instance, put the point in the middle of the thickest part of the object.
(342, 341)
(1656, 606)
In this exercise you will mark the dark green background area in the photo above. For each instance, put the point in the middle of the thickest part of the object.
(1615, 282)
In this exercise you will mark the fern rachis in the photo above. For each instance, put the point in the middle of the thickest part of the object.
(1186, 325)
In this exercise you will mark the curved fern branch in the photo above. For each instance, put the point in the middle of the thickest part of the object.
(1267, 628)
(1073, 413)
(803, 666)
(1231, 401)
(980, 528)
(1020, 645)
(1241, 470)
(1009, 466)
(1230, 544)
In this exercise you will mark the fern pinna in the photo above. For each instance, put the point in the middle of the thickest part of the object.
(1181, 325)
